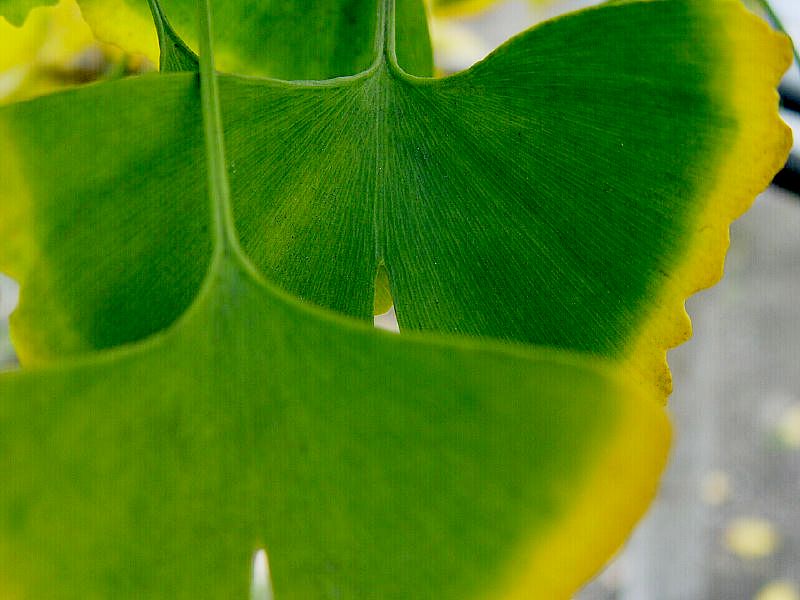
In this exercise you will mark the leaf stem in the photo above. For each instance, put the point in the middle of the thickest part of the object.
(389, 29)
(385, 42)
(224, 234)
(380, 30)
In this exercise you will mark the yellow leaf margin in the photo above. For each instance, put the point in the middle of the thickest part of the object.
(757, 58)
(615, 493)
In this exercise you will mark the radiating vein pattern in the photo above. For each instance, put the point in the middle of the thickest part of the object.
(548, 195)
(367, 463)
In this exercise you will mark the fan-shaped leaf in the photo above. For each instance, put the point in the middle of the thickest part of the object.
(369, 464)
(571, 190)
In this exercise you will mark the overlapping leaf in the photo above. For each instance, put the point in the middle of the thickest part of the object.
(571, 190)
(370, 465)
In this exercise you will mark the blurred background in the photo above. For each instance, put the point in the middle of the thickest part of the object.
(726, 524)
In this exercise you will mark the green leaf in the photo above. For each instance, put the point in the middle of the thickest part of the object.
(15, 11)
(570, 190)
(174, 54)
(369, 464)
(290, 39)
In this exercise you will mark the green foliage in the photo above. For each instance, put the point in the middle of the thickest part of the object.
(16, 10)
(423, 176)
(536, 197)
(370, 465)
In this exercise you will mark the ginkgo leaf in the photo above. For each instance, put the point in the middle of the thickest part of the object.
(389, 467)
(369, 465)
(571, 190)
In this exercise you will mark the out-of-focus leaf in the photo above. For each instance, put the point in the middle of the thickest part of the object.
(15, 11)
(53, 50)
(450, 8)
(33, 57)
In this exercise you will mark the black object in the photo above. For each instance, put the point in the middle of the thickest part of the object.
(789, 177)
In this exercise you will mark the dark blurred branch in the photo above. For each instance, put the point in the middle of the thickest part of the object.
(790, 98)
(789, 177)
